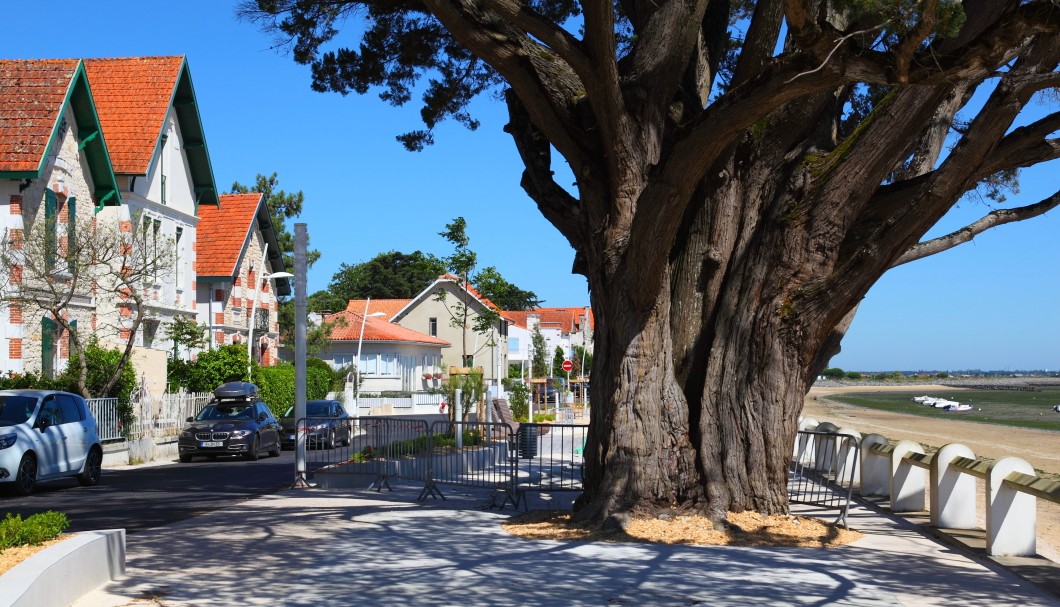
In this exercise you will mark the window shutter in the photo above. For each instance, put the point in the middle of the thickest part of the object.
(49, 230)
(47, 335)
(71, 232)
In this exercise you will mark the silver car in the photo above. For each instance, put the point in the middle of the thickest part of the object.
(46, 434)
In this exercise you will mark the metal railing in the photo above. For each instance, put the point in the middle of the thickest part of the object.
(108, 421)
(823, 470)
(540, 457)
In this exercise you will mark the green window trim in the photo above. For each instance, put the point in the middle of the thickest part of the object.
(50, 229)
(47, 344)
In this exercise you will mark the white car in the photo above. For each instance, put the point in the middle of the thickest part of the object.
(45, 434)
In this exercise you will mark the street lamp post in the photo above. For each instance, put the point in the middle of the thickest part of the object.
(254, 306)
(357, 364)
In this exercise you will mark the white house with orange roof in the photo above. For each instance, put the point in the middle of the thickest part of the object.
(238, 250)
(393, 358)
(432, 315)
(149, 115)
(55, 172)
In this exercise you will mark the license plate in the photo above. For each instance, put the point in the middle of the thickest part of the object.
(212, 443)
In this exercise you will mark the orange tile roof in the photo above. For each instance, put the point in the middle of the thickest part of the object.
(389, 307)
(564, 319)
(375, 329)
(132, 96)
(32, 93)
(223, 232)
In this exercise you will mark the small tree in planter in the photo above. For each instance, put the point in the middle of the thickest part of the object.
(469, 382)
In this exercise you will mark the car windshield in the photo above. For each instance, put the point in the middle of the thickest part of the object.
(312, 410)
(317, 409)
(16, 409)
(226, 411)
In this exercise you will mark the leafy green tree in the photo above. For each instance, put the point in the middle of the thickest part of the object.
(102, 364)
(390, 275)
(462, 314)
(854, 375)
(539, 356)
(326, 301)
(519, 398)
(507, 296)
(744, 173)
(215, 367)
(583, 362)
(833, 373)
(557, 362)
(186, 333)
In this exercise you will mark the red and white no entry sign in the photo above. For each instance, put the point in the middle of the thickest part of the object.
(568, 366)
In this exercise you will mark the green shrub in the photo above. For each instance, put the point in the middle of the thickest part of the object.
(540, 418)
(519, 399)
(218, 366)
(33, 531)
(276, 384)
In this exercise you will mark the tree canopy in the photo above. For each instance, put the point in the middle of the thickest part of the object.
(745, 172)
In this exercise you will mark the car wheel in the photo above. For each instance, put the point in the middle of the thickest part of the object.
(331, 439)
(26, 476)
(346, 441)
(275, 451)
(252, 454)
(185, 459)
(93, 468)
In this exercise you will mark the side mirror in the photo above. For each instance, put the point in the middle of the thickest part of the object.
(190, 419)
(262, 417)
(43, 424)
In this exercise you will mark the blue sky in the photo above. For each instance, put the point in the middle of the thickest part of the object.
(990, 304)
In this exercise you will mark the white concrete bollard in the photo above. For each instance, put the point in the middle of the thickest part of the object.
(824, 449)
(1011, 515)
(908, 482)
(875, 468)
(803, 453)
(846, 456)
(952, 492)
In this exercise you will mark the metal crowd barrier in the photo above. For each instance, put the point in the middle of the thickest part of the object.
(539, 457)
(823, 469)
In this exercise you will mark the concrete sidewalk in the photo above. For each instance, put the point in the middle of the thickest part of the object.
(355, 547)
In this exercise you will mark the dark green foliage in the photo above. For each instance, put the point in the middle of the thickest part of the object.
(519, 399)
(276, 383)
(390, 275)
(854, 375)
(557, 363)
(583, 362)
(31, 531)
(471, 386)
(507, 296)
(185, 332)
(833, 373)
(326, 301)
(539, 358)
(102, 363)
(215, 367)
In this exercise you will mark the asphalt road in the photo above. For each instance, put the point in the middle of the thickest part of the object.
(139, 498)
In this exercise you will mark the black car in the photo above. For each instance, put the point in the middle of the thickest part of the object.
(326, 425)
(236, 422)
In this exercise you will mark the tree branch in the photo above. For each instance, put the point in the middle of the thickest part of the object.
(991, 220)
(904, 51)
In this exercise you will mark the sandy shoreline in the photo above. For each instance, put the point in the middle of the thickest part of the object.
(1040, 448)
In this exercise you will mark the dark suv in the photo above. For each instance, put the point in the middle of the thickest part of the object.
(236, 422)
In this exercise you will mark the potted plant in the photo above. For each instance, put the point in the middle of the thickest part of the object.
(438, 375)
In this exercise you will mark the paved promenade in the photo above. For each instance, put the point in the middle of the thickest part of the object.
(338, 548)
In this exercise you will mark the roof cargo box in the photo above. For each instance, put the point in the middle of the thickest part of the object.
(236, 389)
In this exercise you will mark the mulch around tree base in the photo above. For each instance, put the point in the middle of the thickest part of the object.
(746, 529)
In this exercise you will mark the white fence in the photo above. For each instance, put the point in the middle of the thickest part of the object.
(159, 417)
(905, 474)
(108, 421)
(418, 404)
(155, 417)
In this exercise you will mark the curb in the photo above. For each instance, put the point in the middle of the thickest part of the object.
(61, 574)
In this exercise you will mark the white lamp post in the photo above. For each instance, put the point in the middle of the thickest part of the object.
(254, 306)
(357, 364)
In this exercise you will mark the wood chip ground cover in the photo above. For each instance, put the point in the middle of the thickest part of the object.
(749, 529)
